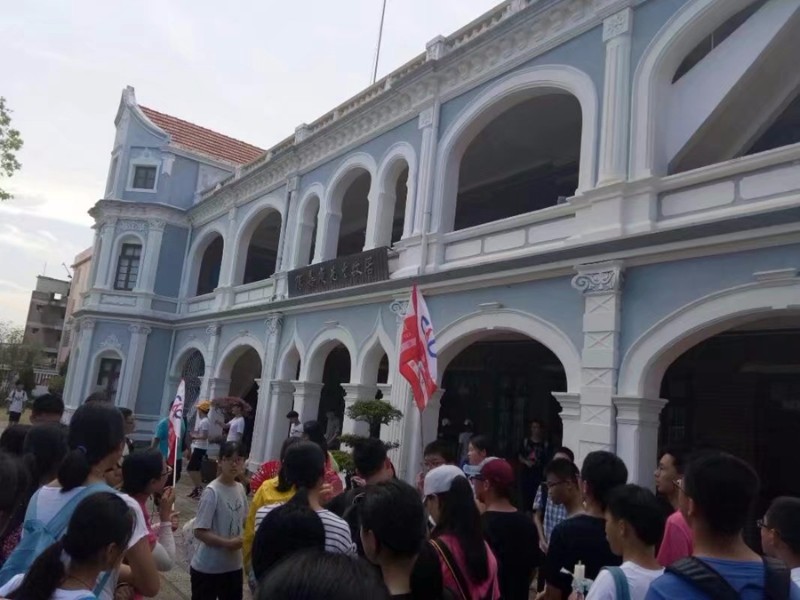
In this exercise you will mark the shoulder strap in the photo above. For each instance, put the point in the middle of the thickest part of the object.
(61, 519)
(703, 577)
(98, 589)
(450, 562)
(620, 583)
(776, 579)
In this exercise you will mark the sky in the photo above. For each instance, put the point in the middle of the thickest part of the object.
(255, 73)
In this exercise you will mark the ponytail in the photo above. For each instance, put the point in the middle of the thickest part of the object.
(284, 485)
(45, 575)
(300, 498)
(96, 431)
(74, 470)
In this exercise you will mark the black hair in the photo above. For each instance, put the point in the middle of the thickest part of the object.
(288, 443)
(231, 449)
(95, 431)
(315, 433)
(680, 456)
(562, 468)
(602, 471)
(100, 396)
(19, 382)
(640, 508)
(426, 576)
(482, 442)
(43, 450)
(48, 404)
(13, 438)
(302, 468)
(139, 469)
(441, 448)
(126, 412)
(459, 516)
(536, 420)
(783, 516)
(14, 493)
(286, 530)
(292, 414)
(369, 456)
(393, 512)
(316, 574)
(724, 489)
(567, 451)
(99, 520)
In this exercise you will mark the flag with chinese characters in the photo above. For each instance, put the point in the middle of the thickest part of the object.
(418, 350)
(176, 423)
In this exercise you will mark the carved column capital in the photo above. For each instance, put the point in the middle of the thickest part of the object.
(598, 278)
(274, 324)
(617, 24)
(212, 330)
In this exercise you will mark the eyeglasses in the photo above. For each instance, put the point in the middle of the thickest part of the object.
(167, 472)
(234, 459)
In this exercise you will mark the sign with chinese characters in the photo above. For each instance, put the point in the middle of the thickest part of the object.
(348, 271)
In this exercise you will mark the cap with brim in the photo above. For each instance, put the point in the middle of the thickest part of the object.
(440, 479)
(205, 406)
(499, 473)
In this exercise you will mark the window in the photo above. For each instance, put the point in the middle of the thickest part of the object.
(144, 178)
(108, 376)
(128, 267)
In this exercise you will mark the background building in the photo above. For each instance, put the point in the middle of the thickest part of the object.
(79, 283)
(45, 322)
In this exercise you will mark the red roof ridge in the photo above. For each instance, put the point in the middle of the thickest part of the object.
(204, 140)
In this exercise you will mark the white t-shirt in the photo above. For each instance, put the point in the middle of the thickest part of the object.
(639, 580)
(50, 500)
(59, 594)
(236, 431)
(296, 430)
(18, 399)
(795, 574)
(200, 426)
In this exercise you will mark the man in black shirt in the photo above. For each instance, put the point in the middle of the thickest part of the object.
(511, 534)
(581, 537)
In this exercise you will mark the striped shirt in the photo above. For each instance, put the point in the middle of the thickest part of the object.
(337, 531)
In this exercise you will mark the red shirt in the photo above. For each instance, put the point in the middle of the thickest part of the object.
(677, 542)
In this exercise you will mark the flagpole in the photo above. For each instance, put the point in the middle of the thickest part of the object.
(378, 49)
(178, 437)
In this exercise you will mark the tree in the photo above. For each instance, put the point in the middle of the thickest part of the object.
(10, 144)
(16, 357)
(374, 413)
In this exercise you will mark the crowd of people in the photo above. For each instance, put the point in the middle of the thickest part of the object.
(84, 514)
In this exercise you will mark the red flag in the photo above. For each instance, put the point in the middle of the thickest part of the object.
(176, 424)
(418, 350)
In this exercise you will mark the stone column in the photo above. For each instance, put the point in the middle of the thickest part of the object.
(227, 271)
(219, 387)
(306, 399)
(129, 390)
(570, 418)
(281, 399)
(428, 124)
(327, 237)
(281, 258)
(264, 418)
(212, 331)
(601, 285)
(401, 399)
(613, 157)
(152, 253)
(386, 395)
(637, 436)
(79, 364)
(356, 393)
(102, 274)
(418, 436)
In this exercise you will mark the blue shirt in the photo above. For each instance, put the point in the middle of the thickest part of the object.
(746, 577)
(162, 434)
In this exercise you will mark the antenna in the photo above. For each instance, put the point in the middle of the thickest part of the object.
(66, 268)
(378, 49)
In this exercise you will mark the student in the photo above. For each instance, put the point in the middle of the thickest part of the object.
(469, 568)
(47, 408)
(463, 440)
(534, 454)
(144, 474)
(392, 531)
(313, 432)
(780, 535)
(13, 500)
(582, 536)
(435, 454)
(16, 402)
(295, 426)
(479, 448)
(216, 569)
(13, 437)
(717, 495)
(511, 534)
(97, 536)
(95, 439)
(548, 514)
(199, 448)
(634, 526)
(316, 575)
(677, 542)
(161, 441)
(235, 427)
(130, 427)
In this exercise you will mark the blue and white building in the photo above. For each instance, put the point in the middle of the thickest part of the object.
(600, 200)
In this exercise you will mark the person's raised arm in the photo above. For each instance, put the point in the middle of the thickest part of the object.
(143, 572)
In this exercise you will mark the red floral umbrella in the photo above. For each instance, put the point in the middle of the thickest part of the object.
(227, 402)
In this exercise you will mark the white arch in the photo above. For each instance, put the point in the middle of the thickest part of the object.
(258, 210)
(97, 356)
(648, 358)
(335, 189)
(304, 227)
(372, 350)
(381, 209)
(662, 57)
(235, 348)
(497, 99)
(312, 362)
(195, 256)
(184, 353)
(462, 332)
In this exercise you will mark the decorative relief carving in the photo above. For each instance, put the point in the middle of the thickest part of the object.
(617, 24)
(212, 330)
(274, 324)
(116, 300)
(605, 278)
(426, 118)
(140, 329)
(131, 225)
(87, 324)
(157, 224)
(111, 343)
(399, 308)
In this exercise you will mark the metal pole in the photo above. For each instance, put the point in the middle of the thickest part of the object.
(378, 49)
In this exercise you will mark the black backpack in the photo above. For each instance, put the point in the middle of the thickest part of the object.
(702, 576)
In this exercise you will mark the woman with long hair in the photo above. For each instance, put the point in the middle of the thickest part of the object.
(13, 500)
(97, 536)
(96, 439)
(313, 432)
(469, 569)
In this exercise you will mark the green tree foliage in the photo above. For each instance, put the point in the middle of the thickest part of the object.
(375, 413)
(16, 356)
(10, 144)
(55, 385)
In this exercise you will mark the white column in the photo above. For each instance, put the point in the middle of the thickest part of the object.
(616, 98)
(264, 416)
(637, 436)
(227, 271)
(291, 194)
(102, 274)
(386, 395)
(129, 390)
(378, 230)
(356, 393)
(79, 364)
(418, 436)
(570, 419)
(212, 331)
(281, 400)
(601, 285)
(327, 237)
(152, 253)
(306, 399)
(427, 167)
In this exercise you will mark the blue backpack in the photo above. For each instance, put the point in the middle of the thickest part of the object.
(623, 590)
(38, 536)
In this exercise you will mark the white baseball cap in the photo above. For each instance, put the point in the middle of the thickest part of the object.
(440, 479)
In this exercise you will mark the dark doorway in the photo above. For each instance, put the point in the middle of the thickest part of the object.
(336, 372)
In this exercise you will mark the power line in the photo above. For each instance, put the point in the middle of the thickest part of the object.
(378, 49)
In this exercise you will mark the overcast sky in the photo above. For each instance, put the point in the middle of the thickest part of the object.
(250, 69)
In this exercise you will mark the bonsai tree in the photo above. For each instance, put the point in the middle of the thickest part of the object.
(374, 413)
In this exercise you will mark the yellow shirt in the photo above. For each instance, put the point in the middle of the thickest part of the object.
(266, 495)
